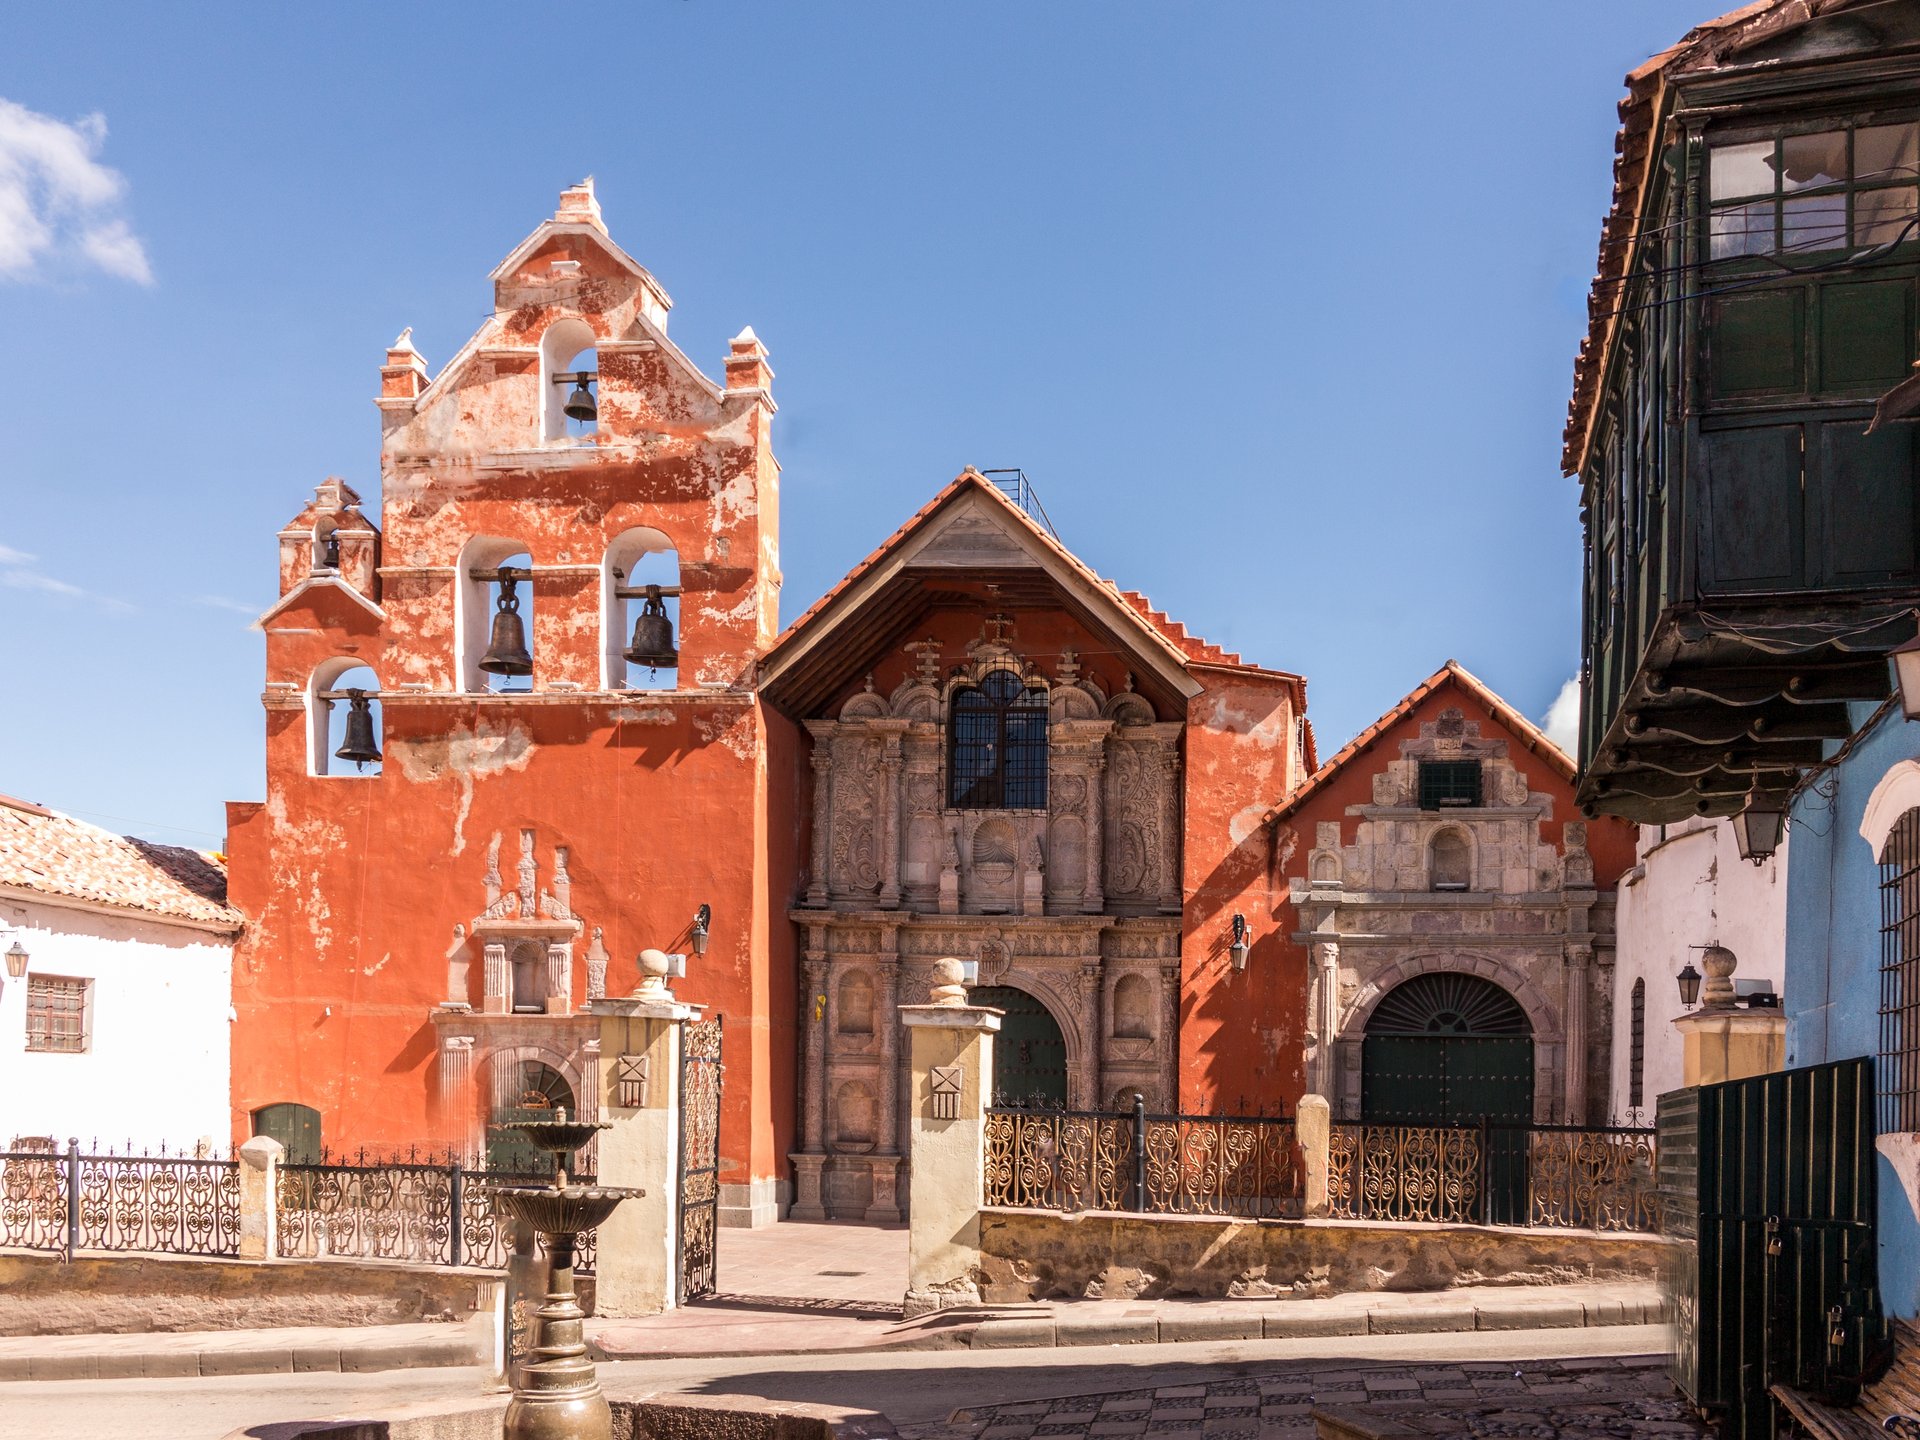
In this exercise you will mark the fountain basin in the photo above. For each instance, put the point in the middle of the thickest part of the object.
(564, 1210)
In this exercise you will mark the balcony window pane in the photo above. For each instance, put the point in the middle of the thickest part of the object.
(1813, 222)
(1809, 160)
(1880, 216)
(1886, 152)
(1741, 170)
(1743, 230)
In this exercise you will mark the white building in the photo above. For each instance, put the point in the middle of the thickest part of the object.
(117, 1028)
(1689, 889)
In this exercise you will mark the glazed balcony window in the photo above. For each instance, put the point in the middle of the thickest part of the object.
(997, 745)
(1799, 194)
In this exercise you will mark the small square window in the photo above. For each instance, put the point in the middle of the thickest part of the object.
(1449, 784)
(59, 1014)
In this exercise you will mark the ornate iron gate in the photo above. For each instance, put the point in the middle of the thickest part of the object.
(700, 1075)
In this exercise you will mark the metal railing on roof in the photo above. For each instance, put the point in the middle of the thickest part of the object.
(1013, 484)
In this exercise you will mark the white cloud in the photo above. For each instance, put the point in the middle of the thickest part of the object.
(18, 571)
(221, 602)
(58, 200)
(1563, 717)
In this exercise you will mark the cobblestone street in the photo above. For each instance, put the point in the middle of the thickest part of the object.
(1581, 1399)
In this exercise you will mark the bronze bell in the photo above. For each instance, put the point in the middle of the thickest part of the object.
(330, 551)
(360, 746)
(653, 635)
(580, 404)
(507, 653)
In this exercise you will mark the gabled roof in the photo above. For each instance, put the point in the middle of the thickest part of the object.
(47, 854)
(1161, 642)
(1714, 44)
(1451, 673)
(323, 583)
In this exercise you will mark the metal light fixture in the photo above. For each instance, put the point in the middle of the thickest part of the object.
(507, 653)
(969, 972)
(1759, 825)
(702, 918)
(1689, 981)
(359, 744)
(16, 960)
(580, 404)
(1906, 675)
(1237, 950)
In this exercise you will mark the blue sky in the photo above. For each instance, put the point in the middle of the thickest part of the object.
(1276, 304)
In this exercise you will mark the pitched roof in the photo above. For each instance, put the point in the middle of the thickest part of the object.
(1453, 672)
(62, 858)
(1709, 45)
(1154, 627)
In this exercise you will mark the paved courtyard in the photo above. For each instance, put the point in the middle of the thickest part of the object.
(1626, 1398)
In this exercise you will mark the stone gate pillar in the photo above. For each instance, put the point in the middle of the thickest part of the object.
(952, 1080)
(640, 1043)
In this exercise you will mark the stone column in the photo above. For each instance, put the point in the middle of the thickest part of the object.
(892, 832)
(1326, 1014)
(885, 1208)
(590, 1079)
(455, 1087)
(499, 997)
(1313, 1127)
(639, 1242)
(559, 977)
(1092, 897)
(947, 1164)
(1172, 848)
(259, 1198)
(822, 817)
(1578, 954)
(811, 1159)
(1170, 1035)
(1090, 1081)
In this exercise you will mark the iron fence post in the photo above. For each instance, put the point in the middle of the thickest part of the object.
(1486, 1172)
(456, 1211)
(73, 1196)
(1140, 1154)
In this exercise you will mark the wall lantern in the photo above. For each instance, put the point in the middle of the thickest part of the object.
(1237, 950)
(1758, 826)
(1906, 675)
(969, 972)
(1689, 980)
(697, 937)
(16, 960)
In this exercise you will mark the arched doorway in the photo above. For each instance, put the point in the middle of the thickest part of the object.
(541, 1089)
(1447, 1049)
(1029, 1053)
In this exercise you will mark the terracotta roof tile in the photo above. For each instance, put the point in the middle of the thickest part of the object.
(56, 855)
(1453, 671)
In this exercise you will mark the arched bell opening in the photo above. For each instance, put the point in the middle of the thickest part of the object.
(640, 586)
(344, 721)
(1029, 1053)
(494, 619)
(326, 546)
(569, 381)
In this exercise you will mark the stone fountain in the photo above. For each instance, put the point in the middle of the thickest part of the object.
(557, 1395)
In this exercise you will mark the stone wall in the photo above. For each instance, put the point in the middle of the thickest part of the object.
(125, 1295)
(1029, 1255)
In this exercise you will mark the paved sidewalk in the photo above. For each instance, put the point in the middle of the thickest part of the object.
(290, 1351)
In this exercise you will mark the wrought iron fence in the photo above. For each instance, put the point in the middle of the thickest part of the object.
(168, 1204)
(1245, 1166)
(1547, 1176)
(420, 1213)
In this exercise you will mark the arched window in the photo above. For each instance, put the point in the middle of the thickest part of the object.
(1449, 862)
(568, 365)
(997, 745)
(344, 720)
(1637, 1046)
(1899, 1078)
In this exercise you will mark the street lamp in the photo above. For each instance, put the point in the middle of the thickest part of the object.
(702, 918)
(16, 960)
(1689, 979)
(1758, 826)
(1237, 951)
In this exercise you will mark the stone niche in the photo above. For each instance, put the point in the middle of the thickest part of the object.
(885, 836)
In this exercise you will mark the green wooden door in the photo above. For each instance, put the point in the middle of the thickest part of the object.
(295, 1126)
(1447, 1050)
(542, 1088)
(1029, 1053)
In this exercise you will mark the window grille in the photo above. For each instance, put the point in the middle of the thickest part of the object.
(1637, 1046)
(57, 1013)
(997, 746)
(1445, 784)
(1899, 1080)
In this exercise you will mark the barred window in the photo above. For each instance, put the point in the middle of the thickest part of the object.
(1637, 1046)
(1899, 1079)
(997, 746)
(1445, 784)
(59, 1013)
